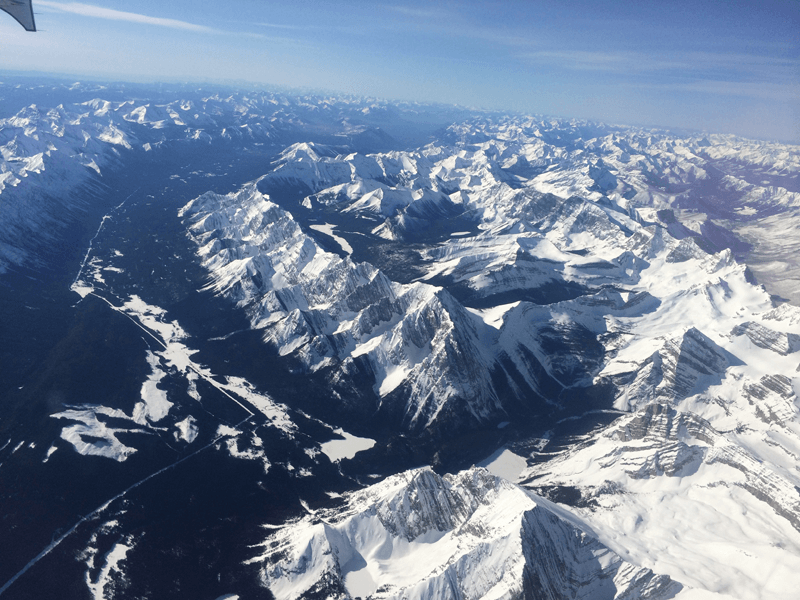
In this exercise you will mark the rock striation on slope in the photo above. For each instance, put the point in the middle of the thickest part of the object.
(764, 337)
(424, 350)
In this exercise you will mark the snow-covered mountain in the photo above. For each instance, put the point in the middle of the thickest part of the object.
(61, 152)
(468, 535)
(235, 321)
(710, 182)
(658, 315)
(539, 290)
(332, 313)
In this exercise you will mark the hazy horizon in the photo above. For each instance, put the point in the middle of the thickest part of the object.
(704, 66)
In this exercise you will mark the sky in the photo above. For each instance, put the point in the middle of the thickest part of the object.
(727, 66)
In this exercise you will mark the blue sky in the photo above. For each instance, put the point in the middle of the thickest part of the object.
(726, 65)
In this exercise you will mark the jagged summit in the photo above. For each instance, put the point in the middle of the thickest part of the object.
(468, 535)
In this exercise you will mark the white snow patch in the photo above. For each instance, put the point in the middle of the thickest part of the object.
(187, 430)
(102, 440)
(49, 453)
(360, 583)
(505, 464)
(494, 316)
(351, 445)
(395, 375)
(81, 288)
(154, 405)
(226, 431)
(327, 229)
(114, 557)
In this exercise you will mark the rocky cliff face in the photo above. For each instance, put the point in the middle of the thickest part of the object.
(764, 337)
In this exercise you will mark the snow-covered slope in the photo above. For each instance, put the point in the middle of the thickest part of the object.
(700, 481)
(470, 535)
(669, 491)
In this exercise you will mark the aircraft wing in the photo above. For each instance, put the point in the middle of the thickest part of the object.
(21, 10)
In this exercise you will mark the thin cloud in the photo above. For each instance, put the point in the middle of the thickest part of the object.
(416, 13)
(731, 66)
(98, 12)
(441, 21)
(582, 60)
(279, 26)
(775, 92)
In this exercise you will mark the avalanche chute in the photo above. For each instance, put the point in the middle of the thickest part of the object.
(21, 10)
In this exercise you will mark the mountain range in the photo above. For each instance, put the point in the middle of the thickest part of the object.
(260, 344)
